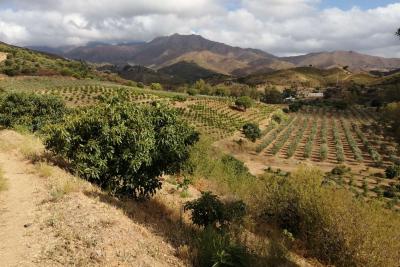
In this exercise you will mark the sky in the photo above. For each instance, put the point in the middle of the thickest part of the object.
(280, 27)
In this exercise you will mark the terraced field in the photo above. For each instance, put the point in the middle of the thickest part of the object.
(214, 116)
(326, 138)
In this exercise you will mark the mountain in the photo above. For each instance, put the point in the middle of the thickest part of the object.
(221, 58)
(165, 51)
(354, 61)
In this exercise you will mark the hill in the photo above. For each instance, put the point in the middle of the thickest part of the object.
(166, 51)
(299, 77)
(176, 74)
(218, 57)
(22, 61)
(353, 60)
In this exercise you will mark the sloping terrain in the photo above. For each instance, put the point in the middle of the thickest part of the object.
(353, 60)
(165, 51)
(49, 218)
(218, 57)
(303, 76)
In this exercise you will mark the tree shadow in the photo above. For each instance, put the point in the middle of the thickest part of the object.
(161, 219)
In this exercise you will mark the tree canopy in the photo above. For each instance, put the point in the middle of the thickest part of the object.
(244, 102)
(123, 147)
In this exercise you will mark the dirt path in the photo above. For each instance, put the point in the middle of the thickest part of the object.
(18, 205)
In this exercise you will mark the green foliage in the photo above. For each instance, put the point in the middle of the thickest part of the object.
(30, 110)
(296, 106)
(179, 98)
(244, 102)
(26, 62)
(272, 96)
(340, 170)
(251, 131)
(392, 171)
(156, 87)
(234, 164)
(192, 92)
(122, 146)
(209, 211)
(217, 249)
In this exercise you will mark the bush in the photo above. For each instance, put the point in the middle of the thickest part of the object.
(30, 110)
(294, 107)
(392, 171)
(192, 92)
(236, 165)
(156, 87)
(251, 131)
(218, 249)
(209, 211)
(122, 146)
(335, 227)
(244, 102)
(340, 170)
(179, 98)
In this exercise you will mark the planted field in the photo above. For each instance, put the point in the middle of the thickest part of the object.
(329, 136)
(214, 116)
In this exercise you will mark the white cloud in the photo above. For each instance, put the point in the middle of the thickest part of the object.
(282, 27)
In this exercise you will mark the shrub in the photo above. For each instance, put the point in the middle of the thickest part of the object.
(179, 98)
(392, 171)
(236, 165)
(192, 92)
(30, 110)
(335, 227)
(122, 146)
(218, 249)
(209, 211)
(156, 86)
(251, 131)
(340, 170)
(244, 102)
(294, 107)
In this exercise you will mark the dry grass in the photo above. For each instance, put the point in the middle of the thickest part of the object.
(3, 183)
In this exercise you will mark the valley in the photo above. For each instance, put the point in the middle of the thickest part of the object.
(182, 151)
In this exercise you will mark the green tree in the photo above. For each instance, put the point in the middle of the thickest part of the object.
(272, 96)
(30, 110)
(251, 131)
(244, 102)
(156, 87)
(122, 146)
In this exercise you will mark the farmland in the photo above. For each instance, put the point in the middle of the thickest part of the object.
(324, 137)
(213, 116)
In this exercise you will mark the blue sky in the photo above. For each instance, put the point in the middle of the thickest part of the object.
(363, 4)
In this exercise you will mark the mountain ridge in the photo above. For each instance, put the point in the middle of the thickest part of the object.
(218, 57)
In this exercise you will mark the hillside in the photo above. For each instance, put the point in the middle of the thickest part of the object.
(173, 75)
(300, 77)
(165, 51)
(353, 60)
(218, 57)
(21, 61)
